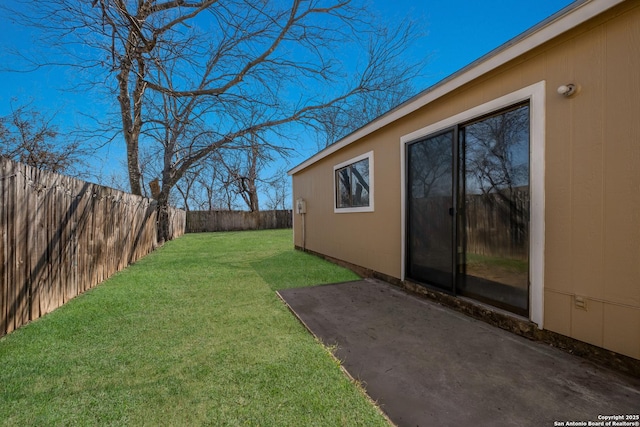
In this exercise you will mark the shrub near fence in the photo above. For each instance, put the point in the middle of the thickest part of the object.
(61, 236)
(202, 221)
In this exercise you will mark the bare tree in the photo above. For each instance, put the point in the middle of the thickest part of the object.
(497, 165)
(244, 168)
(244, 177)
(216, 189)
(497, 152)
(187, 185)
(208, 187)
(432, 166)
(340, 120)
(204, 64)
(28, 137)
(278, 191)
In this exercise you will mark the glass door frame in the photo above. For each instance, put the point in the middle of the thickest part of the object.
(453, 210)
(458, 192)
(509, 298)
(536, 94)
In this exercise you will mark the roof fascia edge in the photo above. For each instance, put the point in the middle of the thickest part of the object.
(527, 41)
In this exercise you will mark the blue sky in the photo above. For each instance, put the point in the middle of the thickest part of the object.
(457, 32)
(460, 31)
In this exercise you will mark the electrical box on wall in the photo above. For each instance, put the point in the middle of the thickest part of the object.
(301, 206)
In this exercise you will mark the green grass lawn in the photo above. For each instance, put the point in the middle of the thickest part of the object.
(510, 264)
(193, 334)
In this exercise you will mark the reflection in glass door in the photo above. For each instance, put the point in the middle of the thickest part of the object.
(483, 250)
(494, 220)
(430, 208)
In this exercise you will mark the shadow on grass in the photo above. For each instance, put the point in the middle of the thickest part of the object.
(296, 269)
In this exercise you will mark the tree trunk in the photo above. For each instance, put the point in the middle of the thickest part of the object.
(254, 206)
(133, 166)
(164, 225)
(131, 113)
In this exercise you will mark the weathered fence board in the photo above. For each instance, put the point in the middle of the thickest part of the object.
(60, 236)
(203, 221)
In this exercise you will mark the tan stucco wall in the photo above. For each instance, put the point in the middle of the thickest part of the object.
(592, 190)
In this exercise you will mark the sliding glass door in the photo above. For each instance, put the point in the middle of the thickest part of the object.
(430, 206)
(468, 209)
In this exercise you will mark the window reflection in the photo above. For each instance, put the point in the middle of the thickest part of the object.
(431, 198)
(431, 174)
(495, 194)
(479, 245)
(344, 184)
(360, 183)
(352, 183)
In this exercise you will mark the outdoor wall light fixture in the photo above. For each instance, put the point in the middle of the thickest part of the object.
(567, 90)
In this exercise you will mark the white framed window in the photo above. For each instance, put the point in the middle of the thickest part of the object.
(353, 185)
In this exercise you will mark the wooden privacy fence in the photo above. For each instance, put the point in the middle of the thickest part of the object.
(201, 221)
(498, 224)
(495, 224)
(61, 236)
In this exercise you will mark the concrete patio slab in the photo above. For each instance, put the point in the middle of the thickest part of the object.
(426, 365)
